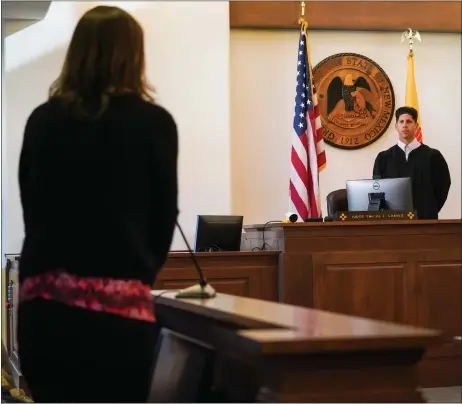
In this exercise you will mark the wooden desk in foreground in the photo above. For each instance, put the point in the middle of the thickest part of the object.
(271, 352)
(406, 272)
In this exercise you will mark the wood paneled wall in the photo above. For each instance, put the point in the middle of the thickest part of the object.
(431, 16)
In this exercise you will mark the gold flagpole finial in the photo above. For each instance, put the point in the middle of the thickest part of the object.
(302, 18)
(410, 34)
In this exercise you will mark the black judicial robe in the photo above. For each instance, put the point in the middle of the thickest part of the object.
(429, 174)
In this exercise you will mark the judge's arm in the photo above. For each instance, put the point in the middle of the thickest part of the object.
(441, 178)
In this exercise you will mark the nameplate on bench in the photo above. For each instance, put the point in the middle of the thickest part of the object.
(370, 216)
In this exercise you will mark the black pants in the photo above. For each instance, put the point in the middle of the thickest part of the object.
(68, 354)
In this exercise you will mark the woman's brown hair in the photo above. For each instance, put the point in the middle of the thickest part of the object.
(105, 57)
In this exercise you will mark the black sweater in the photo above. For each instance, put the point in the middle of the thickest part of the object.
(99, 197)
(428, 171)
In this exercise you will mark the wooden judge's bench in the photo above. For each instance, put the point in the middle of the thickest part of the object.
(406, 272)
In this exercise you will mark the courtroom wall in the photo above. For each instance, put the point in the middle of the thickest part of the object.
(263, 72)
(189, 68)
(234, 148)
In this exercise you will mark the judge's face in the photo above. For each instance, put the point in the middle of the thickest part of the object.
(406, 128)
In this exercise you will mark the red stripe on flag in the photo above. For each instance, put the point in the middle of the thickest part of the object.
(299, 167)
(319, 137)
(310, 186)
(316, 110)
(322, 159)
(298, 202)
(311, 196)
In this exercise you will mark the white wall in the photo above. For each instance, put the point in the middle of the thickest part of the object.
(263, 67)
(190, 56)
(187, 49)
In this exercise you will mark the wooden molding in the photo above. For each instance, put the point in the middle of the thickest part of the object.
(424, 16)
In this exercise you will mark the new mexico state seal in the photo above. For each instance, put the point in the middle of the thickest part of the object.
(356, 100)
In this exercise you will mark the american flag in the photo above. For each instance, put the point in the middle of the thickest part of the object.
(308, 157)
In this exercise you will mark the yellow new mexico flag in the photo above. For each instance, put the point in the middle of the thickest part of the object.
(411, 92)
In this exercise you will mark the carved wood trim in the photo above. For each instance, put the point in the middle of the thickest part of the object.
(424, 16)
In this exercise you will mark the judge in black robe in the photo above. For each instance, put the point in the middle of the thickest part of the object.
(426, 167)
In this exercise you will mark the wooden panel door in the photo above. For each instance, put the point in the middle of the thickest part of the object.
(439, 297)
(438, 305)
(368, 284)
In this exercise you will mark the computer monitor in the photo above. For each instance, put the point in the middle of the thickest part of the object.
(218, 233)
(393, 194)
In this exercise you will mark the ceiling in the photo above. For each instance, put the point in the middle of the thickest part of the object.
(18, 15)
(25, 10)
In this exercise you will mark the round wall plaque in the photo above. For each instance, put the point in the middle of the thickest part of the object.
(356, 100)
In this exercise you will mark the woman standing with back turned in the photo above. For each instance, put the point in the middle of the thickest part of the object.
(98, 182)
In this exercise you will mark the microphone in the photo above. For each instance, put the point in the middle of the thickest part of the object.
(202, 290)
(291, 217)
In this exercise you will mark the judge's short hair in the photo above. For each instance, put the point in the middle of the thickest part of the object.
(407, 110)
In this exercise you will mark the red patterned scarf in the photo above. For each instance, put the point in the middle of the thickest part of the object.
(126, 298)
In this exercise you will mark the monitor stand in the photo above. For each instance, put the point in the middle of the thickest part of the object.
(377, 201)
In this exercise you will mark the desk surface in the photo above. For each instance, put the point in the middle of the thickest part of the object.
(282, 328)
(358, 223)
(291, 354)
(222, 254)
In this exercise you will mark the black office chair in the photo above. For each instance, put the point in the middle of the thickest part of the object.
(336, 201)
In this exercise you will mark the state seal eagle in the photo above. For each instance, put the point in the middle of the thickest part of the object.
(350, 91)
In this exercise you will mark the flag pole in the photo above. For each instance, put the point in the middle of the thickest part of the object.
(303, 23)
(411, 99)
(304, 28)
(302, 20)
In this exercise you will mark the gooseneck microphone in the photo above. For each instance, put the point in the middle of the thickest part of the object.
(202, 290)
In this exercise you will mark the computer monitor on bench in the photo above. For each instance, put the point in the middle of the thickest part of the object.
(218, 233)
(393, 194)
